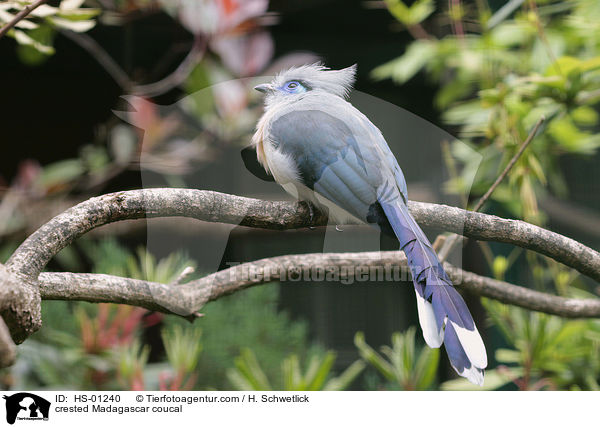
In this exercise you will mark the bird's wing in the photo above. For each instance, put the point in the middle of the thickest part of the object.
(339, 159)
(348, 162)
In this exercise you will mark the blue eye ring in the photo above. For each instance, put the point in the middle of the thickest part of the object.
(292, 86)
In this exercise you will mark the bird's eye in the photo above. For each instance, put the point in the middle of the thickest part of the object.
(292, 85)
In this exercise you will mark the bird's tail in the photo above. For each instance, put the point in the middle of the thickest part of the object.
(443, 314)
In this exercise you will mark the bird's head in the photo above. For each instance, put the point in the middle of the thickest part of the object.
(294, 82)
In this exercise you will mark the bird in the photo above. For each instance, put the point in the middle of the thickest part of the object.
(324, 151)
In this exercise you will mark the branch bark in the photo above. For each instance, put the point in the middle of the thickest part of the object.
(33, 255)
(187, 299)
(20, 16)
(22, 286)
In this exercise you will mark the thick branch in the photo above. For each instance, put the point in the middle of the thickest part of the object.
(8, 349)
(20, 309)
(187, 299)
(20, 291)
(33, 255)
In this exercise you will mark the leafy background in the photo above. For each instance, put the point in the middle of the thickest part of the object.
(484, 71)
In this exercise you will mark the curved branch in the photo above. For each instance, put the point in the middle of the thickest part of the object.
(120, 77)
(101, 56)
(8, 349)
(20, 290)
(178, 76)
(185, 300)
(20, 309)
(33, 255)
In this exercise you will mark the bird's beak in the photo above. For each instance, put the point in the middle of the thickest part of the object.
(264, 88)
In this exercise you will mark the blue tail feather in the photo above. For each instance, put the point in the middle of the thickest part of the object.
(453, 321)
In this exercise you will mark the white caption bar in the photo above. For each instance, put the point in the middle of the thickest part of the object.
(418, 409)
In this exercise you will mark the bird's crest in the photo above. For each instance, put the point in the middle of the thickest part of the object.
(317, 76)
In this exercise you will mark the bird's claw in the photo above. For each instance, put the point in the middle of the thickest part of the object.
(311, 215)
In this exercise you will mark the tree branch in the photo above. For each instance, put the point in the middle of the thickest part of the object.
(101, 56)
(20, 16)
(454, 239)
(174, 79)
(187, 299)
(20, 308)
(8, 349)
(33, 255)
(20, 290)
(178, 76)
(509, 165)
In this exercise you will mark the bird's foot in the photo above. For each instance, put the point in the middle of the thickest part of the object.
(311, 214)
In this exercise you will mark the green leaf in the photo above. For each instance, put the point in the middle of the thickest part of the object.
(405, 67)
(468, 113)
(23, 23)
(426, 367)
(292, 377)
(183, 347)
(79, 14)
(536, 168)
(512, 33)
(499, 266)
(238, 380)
(77, 26)
(584, 115)
(71, 4)
(371, 356)
(453, 92)
(61, 172)
(571, 138)
(22, 38)
(504, 355)
(44, 35)
(44, 10)
(315, 381)
(420, 10)
(249, 369)
(493, 380)
(501, 316)
(399, 10)
(346, 378)
(590, 64)
(564, 65)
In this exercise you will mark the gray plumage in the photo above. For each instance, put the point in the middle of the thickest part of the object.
(321, 149)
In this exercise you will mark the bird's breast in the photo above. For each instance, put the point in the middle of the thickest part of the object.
(258, 141)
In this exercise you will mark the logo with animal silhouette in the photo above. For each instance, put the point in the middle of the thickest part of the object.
(26, 406)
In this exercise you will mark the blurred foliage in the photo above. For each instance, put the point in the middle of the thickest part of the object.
(35, 34)
(110, 257)
(546, 352)
(105, 346)
(249, 319)
(171, 141)
(497, 73)
(404, 367)
(497, 79)
(101, 346)
(98, 345)
(248, 374)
